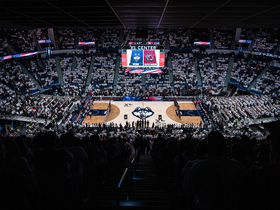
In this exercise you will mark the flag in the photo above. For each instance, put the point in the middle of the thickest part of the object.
(136, 71)
(152, 71)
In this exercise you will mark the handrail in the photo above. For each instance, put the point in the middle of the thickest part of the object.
(124, 173)
(118, 188)
(133, 165)
(132, 174)
(137, 156)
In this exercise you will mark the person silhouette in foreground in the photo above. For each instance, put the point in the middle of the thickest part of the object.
(260, 188)
(213, 183)
(53, 173)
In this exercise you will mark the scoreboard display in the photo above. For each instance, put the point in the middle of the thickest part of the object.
(143, 56)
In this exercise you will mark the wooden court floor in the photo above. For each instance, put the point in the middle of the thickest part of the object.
(115, 111)
(171, 113)
(166, 109)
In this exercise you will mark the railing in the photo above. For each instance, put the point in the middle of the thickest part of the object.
(119, 186)
(132, 170)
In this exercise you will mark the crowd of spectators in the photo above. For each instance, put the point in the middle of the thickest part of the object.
(129, 84)
(48, 170)
(130, 35)
(269, 82)
(213, 79)
(14, 77)
(49, 74)
(250, 73)
(59, 170)
(6, 91)
(66, 38)
(41, 33)
(87, 35)
(247, 34)
(108, 38)
(158, 84)
(238, 72)
(179, 38)
(267, 40)
(53, 171)
(224, 38)
(243, 108)
(45, 107)
(3, 43)
(184, 76)
(21, 40)
(102, 77)
(236, 170)
(74, 71)
(157, 35)
(184, 81)
(200, 34)
(44, 76)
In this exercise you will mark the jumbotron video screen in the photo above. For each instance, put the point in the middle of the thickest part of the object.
(143, 56)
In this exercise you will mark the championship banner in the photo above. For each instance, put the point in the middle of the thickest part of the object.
(150, 58)
(136, 58)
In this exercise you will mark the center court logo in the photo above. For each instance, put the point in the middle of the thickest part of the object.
(142, 113)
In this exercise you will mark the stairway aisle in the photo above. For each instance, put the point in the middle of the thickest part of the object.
(147, 189)
(104, 195)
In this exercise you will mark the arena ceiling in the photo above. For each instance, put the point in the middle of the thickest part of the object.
(139, 14)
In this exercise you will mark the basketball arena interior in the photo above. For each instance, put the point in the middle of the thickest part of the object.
(139, 104)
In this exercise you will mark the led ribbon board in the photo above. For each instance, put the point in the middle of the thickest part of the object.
(135, 43)
(201, 43)
(18, 55)
(143, 71)
(44, 41)
(152, 42)
(244, 41)
(86, 43)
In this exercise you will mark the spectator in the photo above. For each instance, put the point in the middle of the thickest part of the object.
(212, 183)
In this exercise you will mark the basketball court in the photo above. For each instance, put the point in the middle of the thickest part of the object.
(158, 112)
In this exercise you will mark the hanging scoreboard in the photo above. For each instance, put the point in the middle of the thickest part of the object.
(144, 56)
